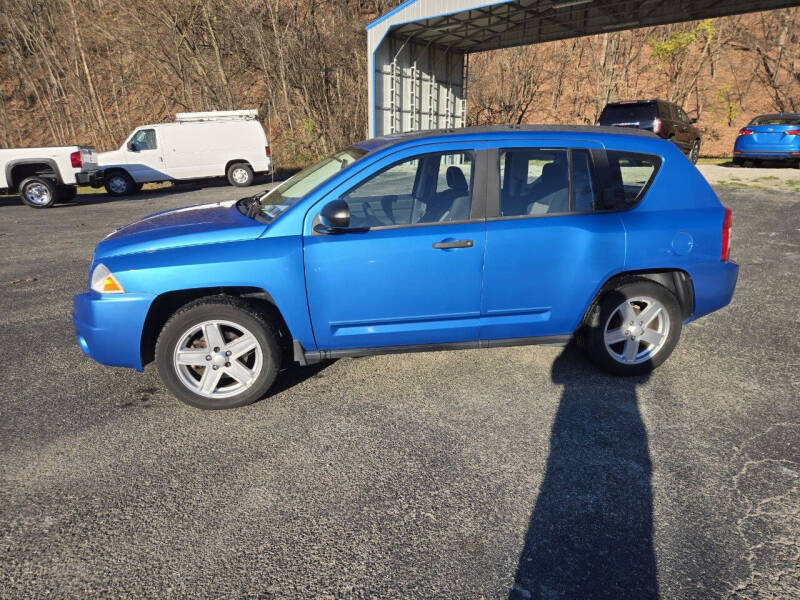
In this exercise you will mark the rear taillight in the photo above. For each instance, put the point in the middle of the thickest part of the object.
(656, 125)
(266, 151)
(727, 224)
(793, 132)
(75, 159)
(746, 132)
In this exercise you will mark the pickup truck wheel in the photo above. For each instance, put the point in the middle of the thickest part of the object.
(38, 192)
(634, 328)
(218, 352)
(119, 183)
(240, 174)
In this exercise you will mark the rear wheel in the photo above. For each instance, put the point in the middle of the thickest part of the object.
(119, 183)
(634, 328)
(240, 174)
(218, 352)
(38, 192)
(694, 153)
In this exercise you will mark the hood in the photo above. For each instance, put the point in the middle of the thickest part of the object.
(191, 226)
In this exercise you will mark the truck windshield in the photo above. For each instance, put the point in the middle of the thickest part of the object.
(290, 192)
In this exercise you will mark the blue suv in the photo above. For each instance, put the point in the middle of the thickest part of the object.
(466, 238)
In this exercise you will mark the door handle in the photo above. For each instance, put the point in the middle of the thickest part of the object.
(444, 245)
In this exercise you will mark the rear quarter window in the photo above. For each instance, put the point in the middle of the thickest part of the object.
(629, 176)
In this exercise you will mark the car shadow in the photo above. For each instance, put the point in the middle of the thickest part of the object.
(294, 374)
(590, 533)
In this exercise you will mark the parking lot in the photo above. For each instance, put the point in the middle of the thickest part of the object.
(486, 473)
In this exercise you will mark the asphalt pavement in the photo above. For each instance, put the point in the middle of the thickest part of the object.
(513, 472)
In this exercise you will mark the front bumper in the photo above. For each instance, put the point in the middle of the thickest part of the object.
(94, 178)
(109, 326)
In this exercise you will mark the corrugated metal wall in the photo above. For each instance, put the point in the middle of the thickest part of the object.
(417, 87)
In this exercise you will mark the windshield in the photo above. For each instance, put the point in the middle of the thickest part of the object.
(290, 192)
(775, 120)
(627, 113)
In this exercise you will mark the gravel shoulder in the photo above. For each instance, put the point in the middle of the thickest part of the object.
(783, 179)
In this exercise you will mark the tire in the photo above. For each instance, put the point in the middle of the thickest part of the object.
(229, 317)
(66, 193)
(119, 183)
(606, 315)
(240, 174)
(694, 153)
(38, 192)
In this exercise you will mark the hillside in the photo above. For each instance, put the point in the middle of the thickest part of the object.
(90, 71)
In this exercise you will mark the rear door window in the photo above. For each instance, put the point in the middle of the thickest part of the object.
(543, 181)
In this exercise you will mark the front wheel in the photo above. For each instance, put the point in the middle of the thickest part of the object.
(218, 352)
(38, 192)
(119, 183)
(634, 328)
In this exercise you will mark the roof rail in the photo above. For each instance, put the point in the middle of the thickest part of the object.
(216, 115)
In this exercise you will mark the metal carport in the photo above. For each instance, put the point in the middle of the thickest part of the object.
(418, 52)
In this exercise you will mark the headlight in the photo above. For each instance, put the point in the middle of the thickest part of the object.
(103, 281)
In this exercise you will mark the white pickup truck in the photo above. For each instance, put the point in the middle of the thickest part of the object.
(44, 176)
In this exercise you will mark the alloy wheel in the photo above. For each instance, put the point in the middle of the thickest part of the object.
(218, 359)
(636, 330)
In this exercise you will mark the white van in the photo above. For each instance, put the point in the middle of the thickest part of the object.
(201, 144)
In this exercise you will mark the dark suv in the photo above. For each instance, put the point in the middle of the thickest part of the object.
(664, 118)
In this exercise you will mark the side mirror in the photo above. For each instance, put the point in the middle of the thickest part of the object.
(133, 147)
(335, 218)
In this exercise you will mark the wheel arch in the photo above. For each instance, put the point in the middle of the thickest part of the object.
(18, 170)
(166, 304)
(232, 162)
(678, 281)
(109, 170)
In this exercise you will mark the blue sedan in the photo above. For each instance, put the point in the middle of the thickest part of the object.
(769, 137)
(435, 240)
